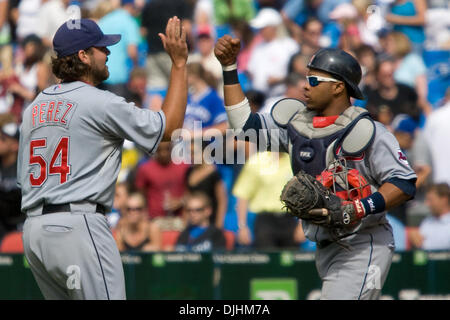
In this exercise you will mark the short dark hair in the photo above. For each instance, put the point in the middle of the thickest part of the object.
(441, 189)
(363, 49)
(293, 79)
(382, 59)
(70, 68)
(310, 20)
(199, 195)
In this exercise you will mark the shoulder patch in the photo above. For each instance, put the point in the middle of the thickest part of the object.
(402, 157)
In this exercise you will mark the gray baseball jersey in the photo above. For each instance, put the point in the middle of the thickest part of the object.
(70, 153)
(71, 141)
(357, 266)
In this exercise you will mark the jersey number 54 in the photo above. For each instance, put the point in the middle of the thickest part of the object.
(62, 168)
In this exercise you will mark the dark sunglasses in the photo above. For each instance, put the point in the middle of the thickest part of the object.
(196, 210)
(315, 80)
(135, 208)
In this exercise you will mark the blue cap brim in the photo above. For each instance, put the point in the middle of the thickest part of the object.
(108, 40)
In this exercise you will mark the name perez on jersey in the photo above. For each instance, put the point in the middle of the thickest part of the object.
(52, 112)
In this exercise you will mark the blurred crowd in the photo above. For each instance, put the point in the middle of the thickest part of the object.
(403, 47)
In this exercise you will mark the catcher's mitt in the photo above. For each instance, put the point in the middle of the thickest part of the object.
(306, 198)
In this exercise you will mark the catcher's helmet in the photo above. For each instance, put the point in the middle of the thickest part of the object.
(341, 65)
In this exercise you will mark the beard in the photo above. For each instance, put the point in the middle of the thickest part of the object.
(99, 73)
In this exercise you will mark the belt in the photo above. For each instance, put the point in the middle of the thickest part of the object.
(65, 207)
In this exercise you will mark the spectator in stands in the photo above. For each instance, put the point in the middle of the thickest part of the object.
(11, 217)
(298, 64)
(295, 89)
(205, 54)
(199, 235)
(6, 50)
(27, 18)
(433, 233)
(135, 90)
(268, 63)
(436, 133)
(296, 12)
(346, 17)
(204, 177)
(164, 184)
(367, 57)
(124, 55)
(249, 40)
(226, 11)
(258, 190)
(204, 104)
(135, 231)
(52, 14)
(408, 17)
(154, 19)
(410, 68)
(203, 12)
(390, 98)
(310, 40)
(369, 23)
(33, 72)
(119, 205)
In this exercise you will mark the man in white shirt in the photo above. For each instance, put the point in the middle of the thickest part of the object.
(436, 135)
(268, 64)
(52, 15)
(434, 231)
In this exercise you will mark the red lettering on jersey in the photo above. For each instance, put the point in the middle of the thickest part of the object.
(69, 106)
(41, 112)
(57, 111)
(51, 106)
(34, 113)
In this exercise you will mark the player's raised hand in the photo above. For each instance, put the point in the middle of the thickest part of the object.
(227, 50)
(174, 42)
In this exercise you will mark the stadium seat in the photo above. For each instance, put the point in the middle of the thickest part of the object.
(12, 243)
(229, 237)
(169, 238)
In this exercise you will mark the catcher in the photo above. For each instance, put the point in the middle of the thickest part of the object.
(348, 169)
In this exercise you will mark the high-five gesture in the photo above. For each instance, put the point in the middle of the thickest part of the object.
(174, 41)
(227, 50)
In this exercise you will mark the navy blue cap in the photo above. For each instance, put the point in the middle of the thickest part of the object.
(81, 34)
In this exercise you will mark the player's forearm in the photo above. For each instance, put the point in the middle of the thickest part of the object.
(236, 106)
(233, 94)
(174, 105)
(241, 209)
(393, 196)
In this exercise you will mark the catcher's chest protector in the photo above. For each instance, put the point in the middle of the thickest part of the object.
(310, 154)
(311, 149)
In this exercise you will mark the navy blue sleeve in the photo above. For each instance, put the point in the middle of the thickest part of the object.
(407, 186)
(253, 122)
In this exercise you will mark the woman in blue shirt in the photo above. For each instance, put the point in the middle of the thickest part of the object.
(408, 17)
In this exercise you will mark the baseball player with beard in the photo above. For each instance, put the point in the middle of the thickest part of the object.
(69, 158)
(356, 158)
